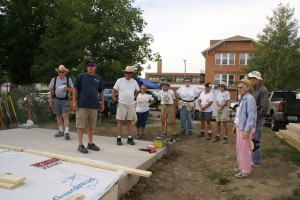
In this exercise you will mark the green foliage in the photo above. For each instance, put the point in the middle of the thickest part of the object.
(110, 32)
(38, 35)
(277, 56)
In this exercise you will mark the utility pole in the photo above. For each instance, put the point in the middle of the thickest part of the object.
(184, 67)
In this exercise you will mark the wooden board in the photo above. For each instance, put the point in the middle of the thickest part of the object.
(8, 178)
(9, 186)
(77, 196)
(294, 128)
(290, 140)
(291, 134)
(83, 161)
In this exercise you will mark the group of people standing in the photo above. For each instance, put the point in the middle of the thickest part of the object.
(133, 102)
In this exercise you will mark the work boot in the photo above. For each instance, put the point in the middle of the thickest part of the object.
(177, 138)
(130, 141)
(93, 147)
(201, 134)
(119, 141)
(82, 149)
(209, 136)
(217, 138)
(225, 140)
(67, 136)
(59, 134)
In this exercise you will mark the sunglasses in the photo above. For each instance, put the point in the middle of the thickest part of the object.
(187, 81)
(90, 65)
(221, 86)
(128, 72)
(61, 72)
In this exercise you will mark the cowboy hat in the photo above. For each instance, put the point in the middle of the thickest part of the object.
(245, 81)
(164, 82)
(255, 74)
(129, 69)
(61, 68)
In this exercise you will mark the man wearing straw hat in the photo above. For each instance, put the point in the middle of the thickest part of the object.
(60, 88)
(127, 89)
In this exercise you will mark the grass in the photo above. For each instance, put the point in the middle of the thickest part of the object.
(219, 177)
(295, 195)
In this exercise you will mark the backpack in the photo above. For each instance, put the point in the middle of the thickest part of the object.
(54, 87)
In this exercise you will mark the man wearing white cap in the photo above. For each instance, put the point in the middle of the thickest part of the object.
(262, 102)
(127, 89)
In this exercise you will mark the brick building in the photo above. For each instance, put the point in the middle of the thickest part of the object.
(175, 79)
(226, 60)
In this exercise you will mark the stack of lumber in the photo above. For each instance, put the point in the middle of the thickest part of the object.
(8, 181)
(291, 135)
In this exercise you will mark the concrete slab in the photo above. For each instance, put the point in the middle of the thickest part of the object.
(125, 155)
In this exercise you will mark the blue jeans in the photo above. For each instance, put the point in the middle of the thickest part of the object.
(257, 136)
(142, 119)
(186, 116)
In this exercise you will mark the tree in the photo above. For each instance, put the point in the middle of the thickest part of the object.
(22, 24)
(277, 55)
(107, 31)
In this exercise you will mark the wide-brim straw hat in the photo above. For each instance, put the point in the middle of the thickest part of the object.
(247, 82)
(62, 68)
(128, 69)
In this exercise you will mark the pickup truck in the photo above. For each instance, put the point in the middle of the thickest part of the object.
(284, 107)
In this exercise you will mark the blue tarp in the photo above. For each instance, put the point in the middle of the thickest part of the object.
(149, 84)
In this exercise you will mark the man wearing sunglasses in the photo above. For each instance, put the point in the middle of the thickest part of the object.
(87, 87)
(60, 88)
(127, 89)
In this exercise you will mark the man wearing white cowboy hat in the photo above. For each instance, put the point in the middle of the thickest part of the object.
(127, 89)
(60, 88)
(262, 102)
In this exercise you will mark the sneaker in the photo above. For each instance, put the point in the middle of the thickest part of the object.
(177, 138)
(119, 141)
(130, 141)
(67, 136)
(138, 136)
(191, 132)
(209, 136)
(201, 134)
(241, 175)
(225, 140)
(93, 147)
(82, 149)
(59, 134)
(217, 138)
(254, 165)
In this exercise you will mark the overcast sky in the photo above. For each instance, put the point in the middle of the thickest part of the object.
(183, 28)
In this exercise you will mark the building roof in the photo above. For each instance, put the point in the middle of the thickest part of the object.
(231, 39)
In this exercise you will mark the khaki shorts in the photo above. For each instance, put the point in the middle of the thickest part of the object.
(223, 116)
(126, 112)
(171, 113)
(86, 116)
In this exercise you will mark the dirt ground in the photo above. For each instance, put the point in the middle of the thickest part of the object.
(201, 169)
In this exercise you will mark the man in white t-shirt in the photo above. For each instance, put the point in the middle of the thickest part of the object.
(205, 102)
(186, 97)
(127, 89)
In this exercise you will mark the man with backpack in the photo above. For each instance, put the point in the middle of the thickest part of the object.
(60, 88)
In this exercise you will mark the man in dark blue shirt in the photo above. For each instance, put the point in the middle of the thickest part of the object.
(85, 94)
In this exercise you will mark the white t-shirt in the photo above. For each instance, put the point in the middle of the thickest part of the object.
(188, 93)
(126, 89)
(142, 102)
(222, 96)
(166, 97)
(205, 99)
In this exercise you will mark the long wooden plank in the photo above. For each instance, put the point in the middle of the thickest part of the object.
(83, 161)
(290, 140)
(9, 178)
(291, 134)
(294, 128)
(91, 163)
(77, 196)
(9, 186)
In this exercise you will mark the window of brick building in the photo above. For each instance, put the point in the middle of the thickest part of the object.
(154, 78)
(227, 78)
(244, 58)
(224, 58)
(179, 79)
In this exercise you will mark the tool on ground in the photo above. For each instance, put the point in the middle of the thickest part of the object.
(166, 119)
(152, 148)
(147, 150)
(13, 108)
(29, 121)
(6, 106)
